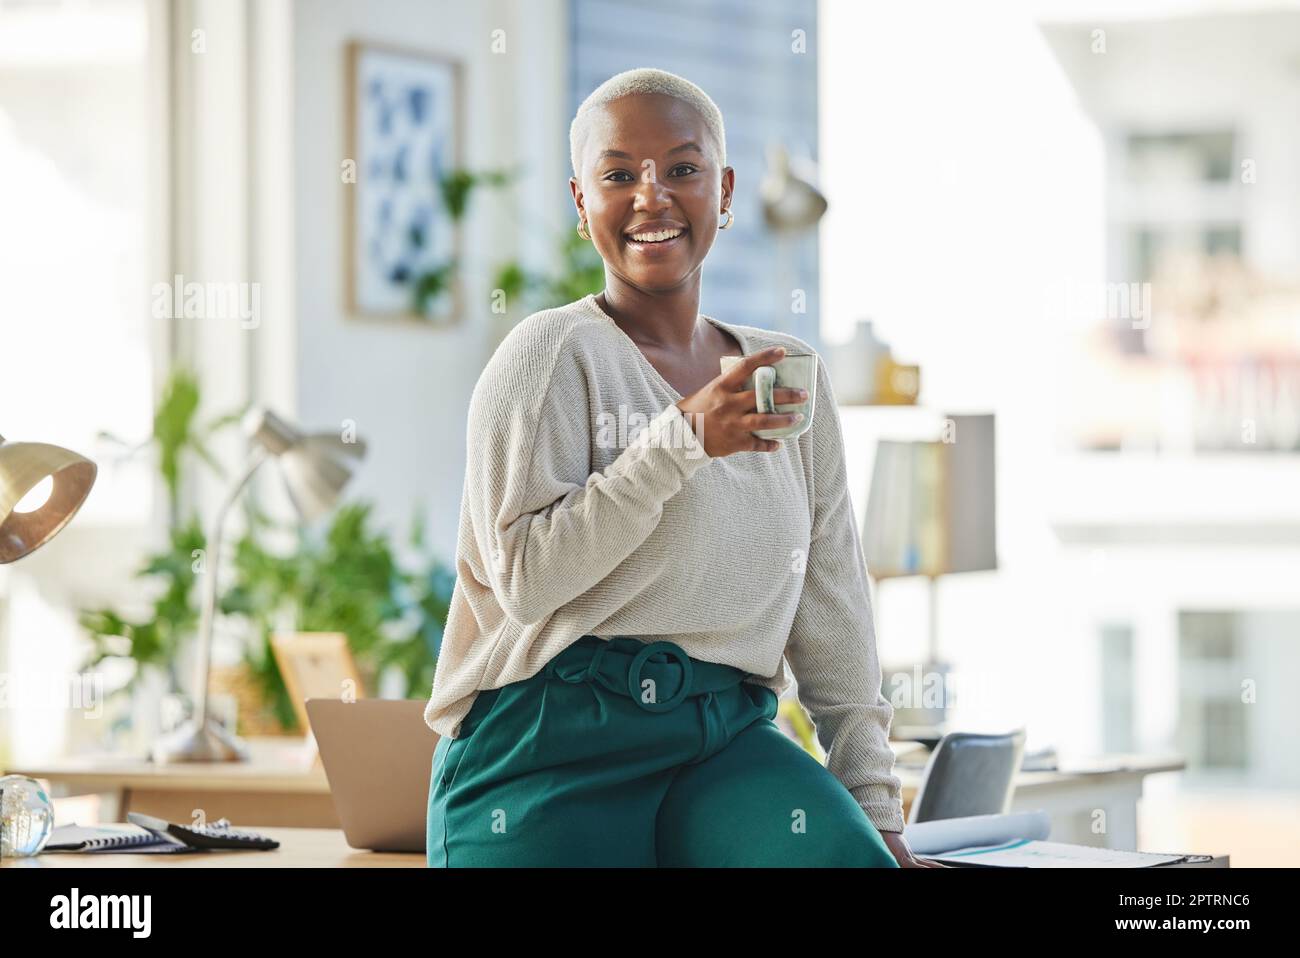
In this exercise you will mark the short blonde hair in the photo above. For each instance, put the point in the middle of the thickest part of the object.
(645, 80)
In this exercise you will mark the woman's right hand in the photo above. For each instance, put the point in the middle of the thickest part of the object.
(730, 412)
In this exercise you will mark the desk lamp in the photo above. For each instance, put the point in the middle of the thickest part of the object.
(931, 512)
(315, 470)
(28, 520)
(23, 467)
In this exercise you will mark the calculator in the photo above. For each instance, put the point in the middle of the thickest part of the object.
(218, 834)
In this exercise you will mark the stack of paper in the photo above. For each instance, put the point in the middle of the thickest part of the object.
(1016, 841)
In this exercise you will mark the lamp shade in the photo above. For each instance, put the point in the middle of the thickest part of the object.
(315, 468)
(791, 203)
(931, 508)
(23, 465)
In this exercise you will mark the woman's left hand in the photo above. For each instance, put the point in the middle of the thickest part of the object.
(897, 845)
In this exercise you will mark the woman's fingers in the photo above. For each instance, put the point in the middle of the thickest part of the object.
(736, 376)
(733, 408)
(771, 420)
(785, 396)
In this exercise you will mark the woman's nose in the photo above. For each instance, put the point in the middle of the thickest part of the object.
(651, 194)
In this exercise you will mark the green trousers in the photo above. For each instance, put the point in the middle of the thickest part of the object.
(625, 754)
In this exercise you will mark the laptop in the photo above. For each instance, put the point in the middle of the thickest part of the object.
(378, 758)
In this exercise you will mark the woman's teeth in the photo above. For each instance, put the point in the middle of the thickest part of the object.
(656, 237)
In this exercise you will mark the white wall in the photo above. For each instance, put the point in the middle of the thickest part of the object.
(407, 388)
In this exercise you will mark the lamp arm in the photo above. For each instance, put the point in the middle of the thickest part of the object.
(208, 610)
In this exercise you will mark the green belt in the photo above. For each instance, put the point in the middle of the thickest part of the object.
(622, 664)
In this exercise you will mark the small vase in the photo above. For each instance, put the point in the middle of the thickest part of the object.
(26, 817)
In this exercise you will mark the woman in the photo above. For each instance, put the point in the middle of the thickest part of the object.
(630, 587)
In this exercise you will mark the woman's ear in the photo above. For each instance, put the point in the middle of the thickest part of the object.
(576, 190)
(728, 186)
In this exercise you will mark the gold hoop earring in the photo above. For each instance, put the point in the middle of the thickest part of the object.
(731, 218)
(582, 230)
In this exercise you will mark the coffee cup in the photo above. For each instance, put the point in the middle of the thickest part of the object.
(791, 371)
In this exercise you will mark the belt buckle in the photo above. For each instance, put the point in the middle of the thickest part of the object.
(639, 661)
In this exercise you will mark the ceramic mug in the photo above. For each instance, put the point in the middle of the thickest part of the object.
(791, 371)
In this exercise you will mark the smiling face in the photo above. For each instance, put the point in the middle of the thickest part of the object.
(651, 190)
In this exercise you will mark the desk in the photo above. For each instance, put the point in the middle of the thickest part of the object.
(1072, 798)
(299, 848)
(274, 787)
(273, 790)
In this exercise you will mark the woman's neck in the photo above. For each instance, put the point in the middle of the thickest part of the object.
(667, 320)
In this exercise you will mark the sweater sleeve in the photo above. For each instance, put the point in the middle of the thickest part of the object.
(832, 643)
(547, 527)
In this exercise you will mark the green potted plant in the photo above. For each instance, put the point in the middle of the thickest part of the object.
(345, 579)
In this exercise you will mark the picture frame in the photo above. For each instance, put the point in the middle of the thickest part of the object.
(315, 665)
(405, 127)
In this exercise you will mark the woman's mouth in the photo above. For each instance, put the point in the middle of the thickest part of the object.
(656, 240)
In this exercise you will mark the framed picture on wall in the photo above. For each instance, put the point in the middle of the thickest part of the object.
(405, 122)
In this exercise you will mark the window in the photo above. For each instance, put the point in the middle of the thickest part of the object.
(1117, 688)
(1212, 717)
(1173, 193)
(75, 240)
(82, 146)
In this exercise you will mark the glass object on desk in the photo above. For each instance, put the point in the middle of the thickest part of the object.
(26, 817)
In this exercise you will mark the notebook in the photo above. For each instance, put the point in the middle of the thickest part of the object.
(113, 838)
(149, 834)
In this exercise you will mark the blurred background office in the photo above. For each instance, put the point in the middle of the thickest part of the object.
(1079, 220)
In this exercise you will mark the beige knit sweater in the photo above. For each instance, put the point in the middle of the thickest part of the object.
(590, 507)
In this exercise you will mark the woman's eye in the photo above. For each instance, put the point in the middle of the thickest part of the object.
(685, 169)
(614, 176)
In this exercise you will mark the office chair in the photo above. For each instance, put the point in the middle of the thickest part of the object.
(969, 774)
